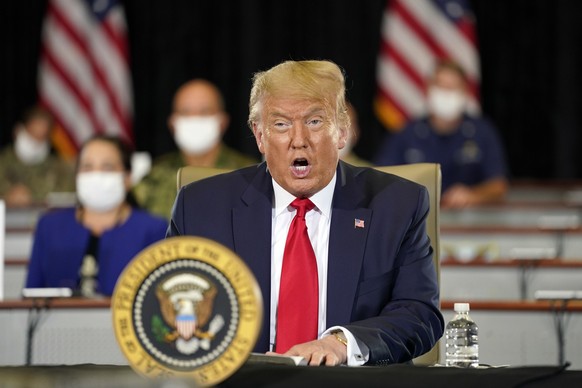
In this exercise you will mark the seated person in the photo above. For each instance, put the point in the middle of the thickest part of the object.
(198, 123)
(365, 289)
(86, 248)
(468, 148)
(28, 170)
(347, 154)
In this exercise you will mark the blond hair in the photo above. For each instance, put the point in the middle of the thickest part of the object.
(313, 80)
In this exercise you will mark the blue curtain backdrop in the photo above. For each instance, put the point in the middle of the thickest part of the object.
(531, 57)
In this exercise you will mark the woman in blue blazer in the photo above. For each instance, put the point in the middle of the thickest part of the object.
(87, 247)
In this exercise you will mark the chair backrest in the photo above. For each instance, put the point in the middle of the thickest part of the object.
(2, 236)
(190, 174)
(426, 174)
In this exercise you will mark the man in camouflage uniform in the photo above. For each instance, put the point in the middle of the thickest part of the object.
(198, 123)
(28, 171)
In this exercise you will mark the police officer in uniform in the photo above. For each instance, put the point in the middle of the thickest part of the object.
(467, 147)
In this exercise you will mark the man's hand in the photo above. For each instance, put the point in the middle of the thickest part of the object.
(326, 351)
(18, 195)
(458, 196)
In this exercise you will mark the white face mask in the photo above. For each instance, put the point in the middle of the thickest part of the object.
(197, 134)
(28, 149)
(446, 104)
(100, 191)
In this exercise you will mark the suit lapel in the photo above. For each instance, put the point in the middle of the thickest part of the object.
(252, 240)
(347, 241)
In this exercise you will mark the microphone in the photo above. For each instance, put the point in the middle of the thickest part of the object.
(35, 313)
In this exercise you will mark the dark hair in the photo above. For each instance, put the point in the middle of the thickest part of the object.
(449, 64)
(122, 147)
(125, 151)
(39, 112)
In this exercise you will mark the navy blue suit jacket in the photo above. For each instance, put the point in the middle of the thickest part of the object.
(381, 278)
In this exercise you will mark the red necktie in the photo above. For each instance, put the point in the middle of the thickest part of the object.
(297, 312)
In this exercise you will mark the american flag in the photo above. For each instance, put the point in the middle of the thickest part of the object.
(84, 77)
(416, 33)
(358, 223)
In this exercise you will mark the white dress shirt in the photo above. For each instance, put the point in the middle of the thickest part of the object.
(318, 223)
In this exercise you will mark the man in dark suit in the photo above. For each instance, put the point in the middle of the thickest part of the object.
(378, 293)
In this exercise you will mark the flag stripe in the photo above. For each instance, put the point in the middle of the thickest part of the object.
(114, 28)
(402, 92)
(446, 35)
(68, 20)
(76, 32)
(415, 34)
(110, 83)
(416, 25)
(404, 65)
(64, 50)
(64, 106)
(84, 76)
(409, 47)
(68, 83)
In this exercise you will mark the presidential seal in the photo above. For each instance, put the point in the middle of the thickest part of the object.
(187, 307)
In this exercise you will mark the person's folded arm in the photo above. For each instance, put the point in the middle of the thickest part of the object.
(490, 191)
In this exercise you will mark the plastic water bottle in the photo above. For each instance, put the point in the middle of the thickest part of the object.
(462, 339)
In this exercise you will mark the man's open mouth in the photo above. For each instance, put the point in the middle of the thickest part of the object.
(300, 167)
(300, 164)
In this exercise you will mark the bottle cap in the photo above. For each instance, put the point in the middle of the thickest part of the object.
(461, 307)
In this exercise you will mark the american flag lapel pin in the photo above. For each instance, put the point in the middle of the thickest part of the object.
(358, 223)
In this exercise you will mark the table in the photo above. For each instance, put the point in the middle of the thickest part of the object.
(77, 331)
(264, 375)
(525, 332)
(503, 242)
(70, 331)
(545, 192)
(507, 279)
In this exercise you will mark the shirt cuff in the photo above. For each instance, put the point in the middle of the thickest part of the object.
(357, 352)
